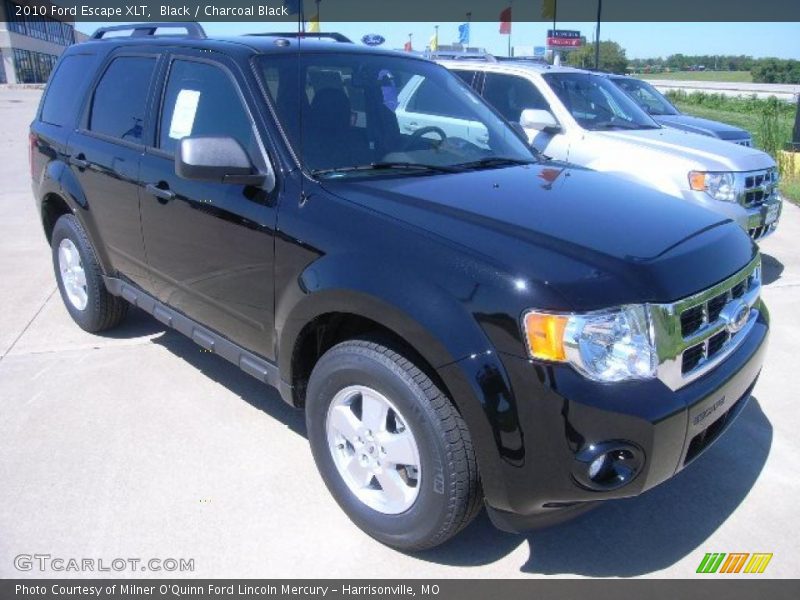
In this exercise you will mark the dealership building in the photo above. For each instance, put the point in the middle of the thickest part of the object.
(30, 46)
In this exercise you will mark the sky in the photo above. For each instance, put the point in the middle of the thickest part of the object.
(640, 40)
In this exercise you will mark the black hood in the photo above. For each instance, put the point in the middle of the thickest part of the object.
(575, 229)
(703, 127)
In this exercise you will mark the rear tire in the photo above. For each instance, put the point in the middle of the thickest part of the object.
(407, 506)
(80, 279)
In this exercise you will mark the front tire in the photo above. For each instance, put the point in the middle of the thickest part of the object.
(390, 446)
(80, 279)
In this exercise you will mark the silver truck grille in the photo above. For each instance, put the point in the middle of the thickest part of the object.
(695, 334)
(756, 187)
(746, 142)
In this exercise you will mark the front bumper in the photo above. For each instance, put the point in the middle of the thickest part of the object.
(561, 414)
(759, 221)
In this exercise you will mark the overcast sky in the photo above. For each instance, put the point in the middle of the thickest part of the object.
(640, 40)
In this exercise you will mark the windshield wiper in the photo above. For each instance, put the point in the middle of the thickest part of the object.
(385, 166)
(496, 161)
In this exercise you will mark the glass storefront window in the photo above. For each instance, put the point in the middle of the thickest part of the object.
(33, 67)
(41, 28)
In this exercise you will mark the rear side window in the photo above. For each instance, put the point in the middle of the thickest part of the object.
(431, 99)
(120, 98)
(202, 100)
(467, 76)
(66, 89)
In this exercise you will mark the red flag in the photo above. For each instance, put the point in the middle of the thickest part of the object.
(407, 46)
(505, 21)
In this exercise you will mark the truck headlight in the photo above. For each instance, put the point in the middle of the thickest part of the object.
(720, 186)
(611, 345)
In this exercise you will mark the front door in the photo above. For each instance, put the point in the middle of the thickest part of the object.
(210, 246)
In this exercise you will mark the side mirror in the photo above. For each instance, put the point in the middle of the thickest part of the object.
(540, 120)
(216, 159)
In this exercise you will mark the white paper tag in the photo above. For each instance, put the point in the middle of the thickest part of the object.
(184, 114)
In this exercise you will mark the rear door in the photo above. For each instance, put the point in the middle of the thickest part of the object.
(210, 246)
(104, 154)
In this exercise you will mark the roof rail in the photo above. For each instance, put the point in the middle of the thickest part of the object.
(456, 55)
(336, 37)
(194, 31)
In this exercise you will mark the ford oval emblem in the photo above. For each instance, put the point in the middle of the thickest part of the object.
(735, 316)
(373, 39)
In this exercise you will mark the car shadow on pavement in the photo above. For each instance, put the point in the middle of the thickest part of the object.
(771, 269)
(263, 397)
(635, 536)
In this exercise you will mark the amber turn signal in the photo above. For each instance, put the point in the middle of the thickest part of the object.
(545, 335)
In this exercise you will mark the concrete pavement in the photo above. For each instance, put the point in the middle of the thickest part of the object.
(138, 444)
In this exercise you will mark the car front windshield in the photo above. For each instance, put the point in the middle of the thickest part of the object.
(596, 103)
(354, 114)
(646, 96)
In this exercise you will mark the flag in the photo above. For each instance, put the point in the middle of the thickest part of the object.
(313, 24)
(407, 46)
(505, 21)
(463, 34)
(292, 6)
(549, 9)
(434, 41)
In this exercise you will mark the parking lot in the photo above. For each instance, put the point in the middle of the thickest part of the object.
(137, 444)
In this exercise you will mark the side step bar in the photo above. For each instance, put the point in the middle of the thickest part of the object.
(252, 364)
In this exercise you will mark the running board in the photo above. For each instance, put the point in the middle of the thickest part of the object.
(250, 363)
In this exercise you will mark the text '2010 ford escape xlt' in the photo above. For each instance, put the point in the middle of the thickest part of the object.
(462, 325)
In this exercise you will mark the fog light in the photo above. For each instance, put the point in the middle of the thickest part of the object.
(608, 465)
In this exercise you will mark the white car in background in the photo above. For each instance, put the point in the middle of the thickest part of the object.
(582, 118)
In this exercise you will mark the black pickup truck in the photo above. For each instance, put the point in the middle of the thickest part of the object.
(463, 324)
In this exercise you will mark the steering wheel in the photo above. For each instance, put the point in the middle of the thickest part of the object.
(423, 130)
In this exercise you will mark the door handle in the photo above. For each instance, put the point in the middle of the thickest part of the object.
(163, 195)
(80, 161)
(413, 126)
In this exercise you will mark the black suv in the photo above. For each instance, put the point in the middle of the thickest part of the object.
(462, 324)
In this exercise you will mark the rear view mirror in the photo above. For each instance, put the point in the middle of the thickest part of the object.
(540, 120)
(216, 159)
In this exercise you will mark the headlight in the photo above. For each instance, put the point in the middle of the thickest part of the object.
(612, 345)
(720, 186)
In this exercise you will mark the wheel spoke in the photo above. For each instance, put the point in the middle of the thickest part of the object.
(345, 422)
(80, 278)
(393, 486)
(374, 412)
(361, 475)
(399, 448)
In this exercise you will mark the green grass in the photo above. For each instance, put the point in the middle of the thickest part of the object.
(749, 121)
(731, 76)
(790, 188)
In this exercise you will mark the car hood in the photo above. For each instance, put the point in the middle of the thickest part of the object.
(575, 229)
(699, 152)
(703, 126)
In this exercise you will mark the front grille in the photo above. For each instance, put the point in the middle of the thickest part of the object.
(694, 334)
(705, 438)
(744, 142)
(706, 316)
(756, 187)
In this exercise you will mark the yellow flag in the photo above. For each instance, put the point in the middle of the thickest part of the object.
(549, 9)
(434, 42)
(313, 24)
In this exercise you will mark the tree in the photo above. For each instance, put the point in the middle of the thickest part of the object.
(612, 57)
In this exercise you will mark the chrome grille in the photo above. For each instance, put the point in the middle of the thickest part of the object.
(694, 334)
(756, 187)
(745, 142)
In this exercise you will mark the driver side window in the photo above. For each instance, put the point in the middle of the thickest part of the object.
(201, 100)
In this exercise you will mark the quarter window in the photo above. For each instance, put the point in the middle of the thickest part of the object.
(202, 100)
(120, 99)
(67, 89)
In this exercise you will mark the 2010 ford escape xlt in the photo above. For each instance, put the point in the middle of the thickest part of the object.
(463, 325)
